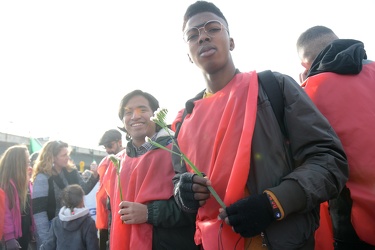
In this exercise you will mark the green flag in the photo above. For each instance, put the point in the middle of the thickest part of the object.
(35, 145)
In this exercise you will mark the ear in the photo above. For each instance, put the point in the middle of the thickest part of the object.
(190, 58)
(231, 44)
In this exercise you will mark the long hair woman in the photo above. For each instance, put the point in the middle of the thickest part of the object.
(14, 181)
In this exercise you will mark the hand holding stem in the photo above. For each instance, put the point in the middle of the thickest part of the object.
(159, 118)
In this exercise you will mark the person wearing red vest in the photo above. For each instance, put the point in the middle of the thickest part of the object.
(111, 140)
(271, 186)
(144, 213)
(341, 82)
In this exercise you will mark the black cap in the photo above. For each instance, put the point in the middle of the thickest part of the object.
(110, 136)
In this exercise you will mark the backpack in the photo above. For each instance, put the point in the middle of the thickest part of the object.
(271, 86)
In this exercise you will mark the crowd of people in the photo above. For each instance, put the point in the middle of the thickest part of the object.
(304, 181)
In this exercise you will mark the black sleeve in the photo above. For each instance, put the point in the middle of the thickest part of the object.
(167, 214)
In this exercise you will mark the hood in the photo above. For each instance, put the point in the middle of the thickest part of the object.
(72, 220)
(342, 56)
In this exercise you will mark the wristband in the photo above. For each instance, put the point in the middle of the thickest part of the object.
(275, 209)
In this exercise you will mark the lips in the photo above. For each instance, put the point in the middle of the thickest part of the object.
(136, 124)
(207, 50)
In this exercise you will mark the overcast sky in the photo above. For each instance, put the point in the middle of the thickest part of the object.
(65, 65)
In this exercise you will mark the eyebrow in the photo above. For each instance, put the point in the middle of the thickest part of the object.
(201, 25)
(197, 26)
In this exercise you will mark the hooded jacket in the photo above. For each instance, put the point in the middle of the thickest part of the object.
(73, 230)
(342, 56)
(341, 82)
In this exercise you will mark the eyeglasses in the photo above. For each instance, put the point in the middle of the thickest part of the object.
(109, 145)
(211, 28)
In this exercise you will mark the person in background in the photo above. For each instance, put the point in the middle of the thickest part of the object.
(73, 228)
(272, 186)
(146, 216)
(90, 198)
(53, 171)
(111, 140)
(14, 181)
(341, 81)
(33, 158)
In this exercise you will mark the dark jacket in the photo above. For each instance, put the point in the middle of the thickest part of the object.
(303, 170)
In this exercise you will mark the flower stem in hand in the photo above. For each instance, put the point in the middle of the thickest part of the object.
(116, 162)
(159, 118)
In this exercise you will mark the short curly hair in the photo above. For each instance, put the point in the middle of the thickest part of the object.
(199, 7)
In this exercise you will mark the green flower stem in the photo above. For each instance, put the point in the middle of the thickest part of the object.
(162, 147)
(212, 190)
(119, 186)
(116, 162)
(195, 169)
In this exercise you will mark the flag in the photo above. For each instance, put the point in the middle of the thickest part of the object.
(35, 145)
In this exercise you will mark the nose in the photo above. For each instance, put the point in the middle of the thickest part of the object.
(203, 35)
(136, 114)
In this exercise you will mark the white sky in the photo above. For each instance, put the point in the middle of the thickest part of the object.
(65, 65)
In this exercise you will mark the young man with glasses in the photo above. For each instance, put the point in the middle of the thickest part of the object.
(271, 185)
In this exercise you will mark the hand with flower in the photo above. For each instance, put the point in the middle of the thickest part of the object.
(159, 118)
(116, 161)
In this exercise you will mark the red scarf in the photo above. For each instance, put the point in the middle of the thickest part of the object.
(217, 138)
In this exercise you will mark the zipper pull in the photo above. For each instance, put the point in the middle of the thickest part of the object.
(264, 244)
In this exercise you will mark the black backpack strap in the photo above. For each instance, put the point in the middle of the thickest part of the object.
(272, 88)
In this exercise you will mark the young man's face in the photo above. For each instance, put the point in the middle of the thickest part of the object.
(137, 119)
(209, 52)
